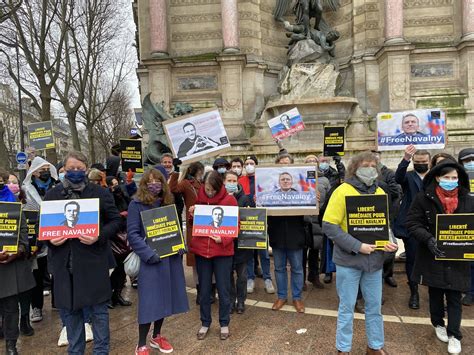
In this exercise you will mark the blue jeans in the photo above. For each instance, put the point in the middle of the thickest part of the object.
(221, 267)
(264, 261)
(86, 311)
(295, 257)
(348, 281)
(76, 335)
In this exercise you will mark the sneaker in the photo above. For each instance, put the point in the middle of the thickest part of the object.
(269, 286)
(250, 285)
(441, 333)
(143, 350)
(161, 344)
(454, 346)
(36, 315)
(46, 292)
(63, 338)
(89, 334)
(468, 300)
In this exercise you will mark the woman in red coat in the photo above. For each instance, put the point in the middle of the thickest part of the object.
(213, 256)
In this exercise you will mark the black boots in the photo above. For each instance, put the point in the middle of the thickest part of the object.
(117, 299)
(25, 326)
(414, 301)
(11, 347)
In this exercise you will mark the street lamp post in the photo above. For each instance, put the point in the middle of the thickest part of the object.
(20, 108)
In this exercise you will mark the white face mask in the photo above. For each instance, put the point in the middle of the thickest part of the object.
(250, 169)
(238, 171)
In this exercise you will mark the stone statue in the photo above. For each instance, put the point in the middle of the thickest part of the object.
(181, 109)
(321, 34)
(153, 117)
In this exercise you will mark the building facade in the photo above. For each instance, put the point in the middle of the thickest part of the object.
(392, 54)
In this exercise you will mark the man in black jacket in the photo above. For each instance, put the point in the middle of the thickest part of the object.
(411, 183)
(80, 266)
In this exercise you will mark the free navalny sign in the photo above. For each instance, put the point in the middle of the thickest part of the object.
(69, 219)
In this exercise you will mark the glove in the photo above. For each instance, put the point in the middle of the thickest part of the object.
(337, 159)
(433, 248)
(155, 259)
(129, 177)
(182, 251)
(176, 164)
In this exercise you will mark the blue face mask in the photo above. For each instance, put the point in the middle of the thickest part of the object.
(469, 166)
(61, 176)
(231, 188)
(323, 166)
(448, 185)
(75, 176)
(221, 170)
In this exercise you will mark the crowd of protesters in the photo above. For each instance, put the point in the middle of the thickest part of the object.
(85, 276)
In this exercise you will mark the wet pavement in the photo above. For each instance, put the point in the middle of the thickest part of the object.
(261, 331)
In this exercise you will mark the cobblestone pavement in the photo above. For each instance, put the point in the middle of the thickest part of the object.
(260, 330)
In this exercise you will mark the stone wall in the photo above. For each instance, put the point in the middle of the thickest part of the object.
(392, 55)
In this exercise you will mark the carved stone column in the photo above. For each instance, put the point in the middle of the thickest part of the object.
(230, 26)
(393, 22)
(158, 28)
(467, 20)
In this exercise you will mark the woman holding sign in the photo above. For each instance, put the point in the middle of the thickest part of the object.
(446, 192)
(358, 264)
(214, 255)
(161, 284)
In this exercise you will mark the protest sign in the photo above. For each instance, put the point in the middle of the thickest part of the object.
(162, 229)
(10, 220)
(286, 124)
(32, 221)
(197, 136)
(333, 141)
(253, 228)
(40, 135)
(367, 219)
(425, 129)
(455, 236)
(287, 189)
(131, 155)
(471, 182)
(215, 220)
(69, 219)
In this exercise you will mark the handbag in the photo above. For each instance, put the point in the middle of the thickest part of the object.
(120, 246)
(131, 265)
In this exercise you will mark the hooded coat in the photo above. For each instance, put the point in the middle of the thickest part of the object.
(205, 246)
(421, 225)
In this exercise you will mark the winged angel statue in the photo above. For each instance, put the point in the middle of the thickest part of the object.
(305, 10)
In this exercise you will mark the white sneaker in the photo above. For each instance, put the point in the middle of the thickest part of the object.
(63, 338)
(36, 315)
(89, 334)
(46, 292)
(250, 285)
(441, 334)
(269, 286)
(454, 346)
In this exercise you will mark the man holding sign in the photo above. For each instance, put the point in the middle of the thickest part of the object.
(358, 258)
(446, 192)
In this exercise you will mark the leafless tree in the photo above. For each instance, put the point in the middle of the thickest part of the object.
(7, 8)
(30, 28)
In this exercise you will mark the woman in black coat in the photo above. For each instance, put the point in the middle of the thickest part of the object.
(80, 266)
(446, 191)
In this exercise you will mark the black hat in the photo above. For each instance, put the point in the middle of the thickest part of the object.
(252, 157)
(465, 154)
(220, 162)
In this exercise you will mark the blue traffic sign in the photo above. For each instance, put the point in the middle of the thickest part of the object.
(21, 157)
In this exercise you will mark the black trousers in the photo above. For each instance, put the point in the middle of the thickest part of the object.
(37, 299)
(25, 302)
(118, 276)
(238, 283)
(311, 257)
(11, 314)
(388, 265)
(411, 245)
(453, 300)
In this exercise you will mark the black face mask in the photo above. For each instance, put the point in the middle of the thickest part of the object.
(44, 176)
(420, 168)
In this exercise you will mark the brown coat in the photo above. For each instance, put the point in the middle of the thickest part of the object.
(189, 189)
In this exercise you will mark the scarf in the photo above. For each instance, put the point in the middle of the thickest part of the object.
(74, 191)
(449, 199)
(6, 195)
